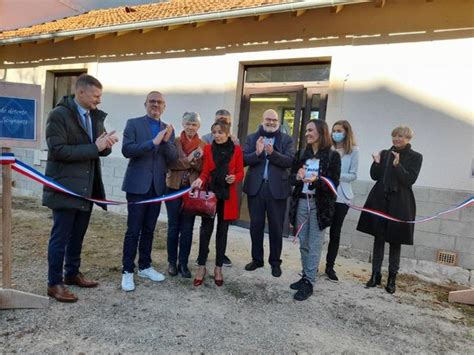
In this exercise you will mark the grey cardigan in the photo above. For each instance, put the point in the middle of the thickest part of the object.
(349, 167)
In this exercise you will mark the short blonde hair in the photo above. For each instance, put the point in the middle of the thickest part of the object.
(404, 131)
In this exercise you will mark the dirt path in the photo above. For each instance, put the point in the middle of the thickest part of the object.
(252, 313)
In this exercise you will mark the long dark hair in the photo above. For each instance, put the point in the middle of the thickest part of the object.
(325, 141)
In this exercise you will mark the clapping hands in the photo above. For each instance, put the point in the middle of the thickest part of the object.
(106, 140)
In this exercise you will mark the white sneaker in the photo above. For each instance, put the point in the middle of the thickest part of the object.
(127, 281)
(151, 274)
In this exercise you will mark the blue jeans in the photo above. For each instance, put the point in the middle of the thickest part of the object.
(311, 238)
(65, 244)
(141, 223)
(180, 231)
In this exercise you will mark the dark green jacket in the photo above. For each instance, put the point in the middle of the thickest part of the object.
(73, 160)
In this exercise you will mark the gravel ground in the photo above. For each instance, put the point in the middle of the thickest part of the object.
(252, 313)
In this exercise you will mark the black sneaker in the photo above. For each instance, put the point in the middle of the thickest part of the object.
(297, 285)
(331, 274)
(226, 262)
(305, 291)
(253, 265)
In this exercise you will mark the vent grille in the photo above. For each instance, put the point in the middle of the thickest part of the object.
(447, 257)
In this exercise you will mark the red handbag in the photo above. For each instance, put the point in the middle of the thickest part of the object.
(201, 203)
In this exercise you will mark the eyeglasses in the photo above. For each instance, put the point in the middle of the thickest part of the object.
(156, 102)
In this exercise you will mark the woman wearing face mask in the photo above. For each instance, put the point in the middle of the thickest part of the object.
(180, 175)
(395, 171)
(223, 168)
(313, 202)
(344, 143)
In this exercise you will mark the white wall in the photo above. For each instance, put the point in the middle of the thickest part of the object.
(426, 85)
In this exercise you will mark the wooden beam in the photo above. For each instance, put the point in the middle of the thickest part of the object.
(200, 24)
(298, 13)
(337, 9)
(103, 34)
(60, 39)
(123, 33)
(146, 30)
(462, 296)
(13, 299)
(78, 37)
(173, 27)
(41, 41)
(379, 3)
(260, 18)
(228, 21)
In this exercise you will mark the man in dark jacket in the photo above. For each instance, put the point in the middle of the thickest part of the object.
(76, 137)
(269, 155)
(148, 143)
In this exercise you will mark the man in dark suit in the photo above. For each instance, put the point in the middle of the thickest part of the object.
(76, 138)
(148, 143)
(269, 154)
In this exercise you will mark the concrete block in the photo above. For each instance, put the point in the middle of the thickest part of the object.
(407, 265)
(425, 253)
(346, 239)
(461, 229)
(352, 215)
(432, 226)
(464, 245)
(449, 197)
(107, 171)
(349, 226)
(408, 251)
(119, 172)
(362, 255)
(361, 187)
(467, 214)
(462, 296)
(108, 190)
(466, 261)
(29, 153)
(421, 194)
(436, 241)
(471, 278)
(428, 209)
(443, 272)
(359, 200)
(363, 242)
(117, 192)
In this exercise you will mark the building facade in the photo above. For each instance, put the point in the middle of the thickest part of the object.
(378, 64)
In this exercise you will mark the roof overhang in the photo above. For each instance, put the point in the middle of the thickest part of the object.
(173, 22)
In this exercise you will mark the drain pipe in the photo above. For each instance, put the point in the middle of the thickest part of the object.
(185, 20)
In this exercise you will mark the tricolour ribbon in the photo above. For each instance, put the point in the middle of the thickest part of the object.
(28, 171)
(332, 187)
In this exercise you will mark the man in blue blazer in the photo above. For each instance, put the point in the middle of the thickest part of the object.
(269, 154)
(148, 144)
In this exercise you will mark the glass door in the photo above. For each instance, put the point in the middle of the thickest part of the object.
(287, 101)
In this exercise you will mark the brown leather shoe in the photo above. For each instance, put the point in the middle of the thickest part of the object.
(80, 280)
(61, 294)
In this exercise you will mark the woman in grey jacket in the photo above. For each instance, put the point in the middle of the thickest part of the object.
(345, 144)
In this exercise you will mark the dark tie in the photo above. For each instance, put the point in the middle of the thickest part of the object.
(87, 119)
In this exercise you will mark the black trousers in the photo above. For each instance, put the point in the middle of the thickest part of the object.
(261, 205)
(393, 256)
(205, 234)
(335, 233)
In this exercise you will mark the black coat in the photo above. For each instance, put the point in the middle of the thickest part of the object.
(392, 194)
(73, 159)
(279, 164)
(330, 167)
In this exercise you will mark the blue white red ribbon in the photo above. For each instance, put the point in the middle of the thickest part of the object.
(332, 187)
(28, 171)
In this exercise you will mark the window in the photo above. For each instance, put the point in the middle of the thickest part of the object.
(64, 83)
(288, 73)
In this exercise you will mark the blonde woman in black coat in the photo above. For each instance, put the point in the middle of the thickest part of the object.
(395, 171)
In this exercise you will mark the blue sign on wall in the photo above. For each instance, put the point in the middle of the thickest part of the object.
(17, 118)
